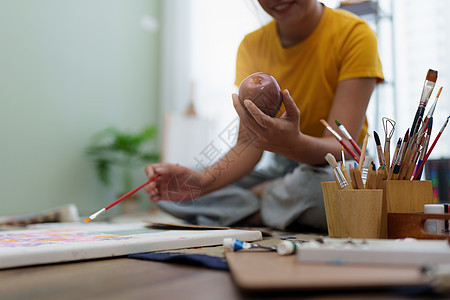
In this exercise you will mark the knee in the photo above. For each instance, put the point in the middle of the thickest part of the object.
(258, 189)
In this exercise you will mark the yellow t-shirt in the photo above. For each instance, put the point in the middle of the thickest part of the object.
(343, 46)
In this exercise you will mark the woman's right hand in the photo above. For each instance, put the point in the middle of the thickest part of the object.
(175, 183)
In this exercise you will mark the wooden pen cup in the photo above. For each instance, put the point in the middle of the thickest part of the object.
(360, 207)
(404, 196)
(329, 189)
(360, 213)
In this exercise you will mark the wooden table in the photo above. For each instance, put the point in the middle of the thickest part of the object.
(123, 278)
(118, 278)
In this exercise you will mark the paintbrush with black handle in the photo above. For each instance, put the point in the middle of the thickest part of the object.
(428, 86)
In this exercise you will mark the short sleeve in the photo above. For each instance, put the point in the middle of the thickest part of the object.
(360, 54)
(244, 63)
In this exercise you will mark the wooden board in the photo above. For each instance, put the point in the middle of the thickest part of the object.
(62, 244)
(269, 271)
(404, 225)
(163, 225)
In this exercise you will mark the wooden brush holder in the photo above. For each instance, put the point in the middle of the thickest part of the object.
(352, 213)
(404, 196)
(360, 213)
(403, 225)
(329, 189)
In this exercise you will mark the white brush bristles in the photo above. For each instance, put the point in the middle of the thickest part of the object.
(365, 167)
(331, 160)
(367, 162)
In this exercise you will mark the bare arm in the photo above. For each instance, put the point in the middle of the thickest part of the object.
(178, 183)
(238, 162)
(283, 135)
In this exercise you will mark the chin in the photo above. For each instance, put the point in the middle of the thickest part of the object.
(289, 12)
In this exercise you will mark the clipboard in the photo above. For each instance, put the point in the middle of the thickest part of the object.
(259, 271)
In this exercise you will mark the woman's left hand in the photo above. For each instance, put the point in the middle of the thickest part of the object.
(272, 134)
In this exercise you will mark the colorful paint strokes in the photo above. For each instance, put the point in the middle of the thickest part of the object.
(54, 236)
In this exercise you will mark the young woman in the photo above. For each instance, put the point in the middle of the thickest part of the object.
(327, 62)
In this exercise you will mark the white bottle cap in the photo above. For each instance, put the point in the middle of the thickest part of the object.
(286, 247)
(434, 208)
(228, 244)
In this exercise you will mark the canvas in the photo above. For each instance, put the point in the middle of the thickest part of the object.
(88, 241)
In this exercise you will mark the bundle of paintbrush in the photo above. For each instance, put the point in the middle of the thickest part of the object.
(411, 151)
(341, 141)
(359, 176)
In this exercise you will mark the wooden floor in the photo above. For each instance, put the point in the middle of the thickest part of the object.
(123, 278)
(119, 278)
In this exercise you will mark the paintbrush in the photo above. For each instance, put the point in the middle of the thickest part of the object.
(407, 157)
(357, 178)
(422, 141)
(424, 145)
(345, 172)
(394, 159)
(416, 130)
(395, 171)
(93, 216)
(404, 145)
(371, 180)
(433, 106)
(381, 158)
(342, 155)
(339, 176)
(430, 113)
(351, 172)
(428, 86)
(343, 169)
(431, 149)
(414, 156)
(368, 160)
(339, 138)
(348, 136)
(401, 153)
(363, 152)
(379, 179)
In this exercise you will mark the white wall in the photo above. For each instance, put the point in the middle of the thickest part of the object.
(217, 29)
(423, 42)
(200, 42)
(69, 68)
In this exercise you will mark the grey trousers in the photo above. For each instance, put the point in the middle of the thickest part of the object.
(293, 196)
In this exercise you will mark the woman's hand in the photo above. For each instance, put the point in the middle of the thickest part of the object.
(272, 134)
(175, 183)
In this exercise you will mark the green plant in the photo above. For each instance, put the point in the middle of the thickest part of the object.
(112, 147)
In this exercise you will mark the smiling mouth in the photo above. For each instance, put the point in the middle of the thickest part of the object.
(281, 7)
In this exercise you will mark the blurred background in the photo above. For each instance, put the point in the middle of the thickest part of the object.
(78, 74)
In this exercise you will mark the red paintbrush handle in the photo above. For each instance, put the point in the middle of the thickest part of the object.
(426, 156)
(349, 150)
(355, 146)
(131, 192)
